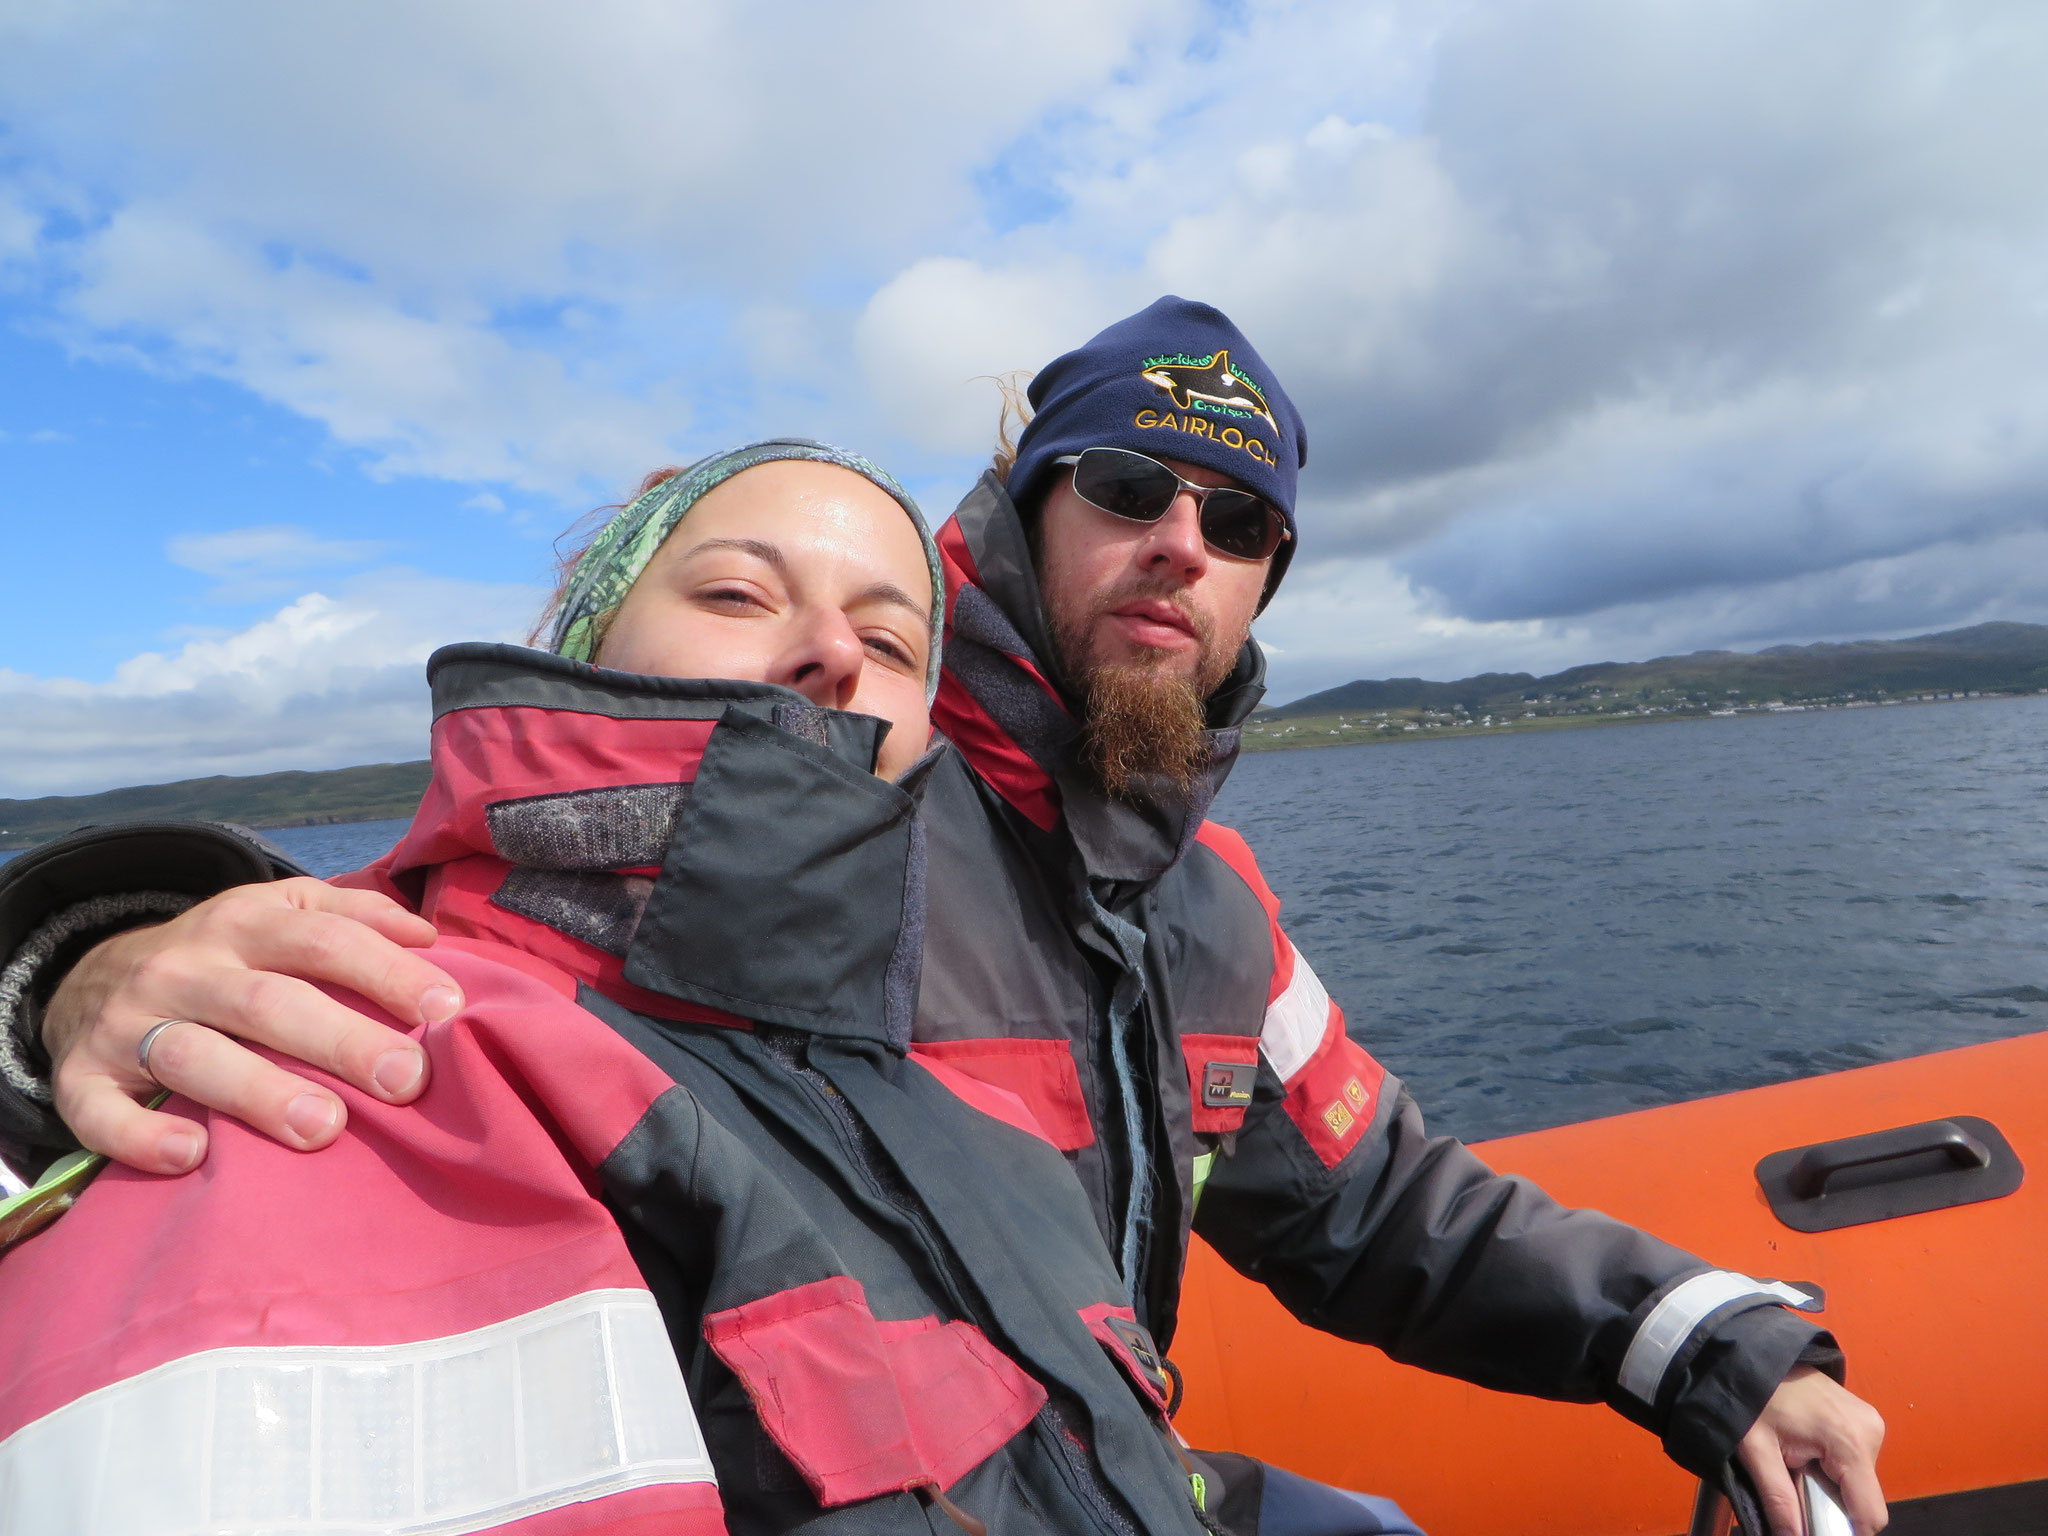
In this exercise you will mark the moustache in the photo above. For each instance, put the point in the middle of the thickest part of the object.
(1172, 594)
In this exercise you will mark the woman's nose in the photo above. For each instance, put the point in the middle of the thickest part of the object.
(824, 661)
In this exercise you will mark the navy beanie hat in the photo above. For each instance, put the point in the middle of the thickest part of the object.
(1177, 381)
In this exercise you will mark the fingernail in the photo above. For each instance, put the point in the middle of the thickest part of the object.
(397, 1071)
(180, 1151)
(440, 1004)
(310, 1115)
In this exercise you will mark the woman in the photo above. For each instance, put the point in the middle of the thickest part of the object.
(679, 1235)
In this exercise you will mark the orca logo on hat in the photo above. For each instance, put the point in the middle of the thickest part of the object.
(1193, 382)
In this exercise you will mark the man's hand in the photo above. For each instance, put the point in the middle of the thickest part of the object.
(233, 965)
(1809, 1418)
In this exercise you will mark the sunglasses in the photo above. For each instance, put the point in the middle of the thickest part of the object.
(1130, 485)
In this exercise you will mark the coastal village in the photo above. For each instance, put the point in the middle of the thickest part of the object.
(1984, 661)
(1272, 729)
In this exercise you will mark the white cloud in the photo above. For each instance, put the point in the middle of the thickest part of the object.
(529, 145)
(1607, 318)
(508, 242)
(933, 337)
(1362, 617)
(18, 231)
(324, 682)
(446, 396)
(1647, 499)
(1620, 313)
(265, 551)
(1716, 299)
(1359, 617)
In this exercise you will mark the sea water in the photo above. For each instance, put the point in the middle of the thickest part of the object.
(1539, 929)
(1532, 930)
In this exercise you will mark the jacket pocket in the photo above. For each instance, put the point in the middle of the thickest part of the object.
(863, 1407)
(1040, 1072)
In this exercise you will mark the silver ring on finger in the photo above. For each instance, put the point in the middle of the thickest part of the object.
(148, 1043)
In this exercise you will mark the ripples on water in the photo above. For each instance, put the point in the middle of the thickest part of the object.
(1540, 929)
(337, 849)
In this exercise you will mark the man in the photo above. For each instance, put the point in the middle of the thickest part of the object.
(1099, 949)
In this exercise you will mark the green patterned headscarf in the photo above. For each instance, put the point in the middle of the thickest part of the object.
(624, 545)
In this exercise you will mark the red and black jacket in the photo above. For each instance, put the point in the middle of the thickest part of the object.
(1120, 964)
(681, 1236)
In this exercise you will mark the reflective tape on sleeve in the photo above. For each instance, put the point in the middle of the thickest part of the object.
(576, 1401)
(1296, 1021)
(1674, 1320)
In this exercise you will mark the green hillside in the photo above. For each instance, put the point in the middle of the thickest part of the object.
(1984, 659)
(372, 793)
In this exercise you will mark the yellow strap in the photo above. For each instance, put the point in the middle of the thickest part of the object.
(1198, 1488)
(1205, 1164)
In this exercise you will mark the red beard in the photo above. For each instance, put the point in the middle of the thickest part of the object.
(1141, 720)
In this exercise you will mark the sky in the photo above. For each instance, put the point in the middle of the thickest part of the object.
(1621, 327)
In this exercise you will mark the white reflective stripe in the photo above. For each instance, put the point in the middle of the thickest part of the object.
(1296, 1021)
(1672, 1321)
(577, 1400)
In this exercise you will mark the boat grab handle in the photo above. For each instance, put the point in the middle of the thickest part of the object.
(1903, 1170)
(1816, 1165)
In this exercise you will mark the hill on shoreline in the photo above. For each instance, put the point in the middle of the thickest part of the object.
(377, 792)
(1985, 658)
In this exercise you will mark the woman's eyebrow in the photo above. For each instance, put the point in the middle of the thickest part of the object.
(760, 549)
(888, 592)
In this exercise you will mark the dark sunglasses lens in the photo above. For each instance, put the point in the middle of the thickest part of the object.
(1238, 523)
(1125, 484)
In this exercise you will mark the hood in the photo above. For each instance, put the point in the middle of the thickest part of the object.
(1004, 704)
(698, 849)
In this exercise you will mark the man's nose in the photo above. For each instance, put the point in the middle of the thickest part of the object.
(823, 661)
(1175, 544)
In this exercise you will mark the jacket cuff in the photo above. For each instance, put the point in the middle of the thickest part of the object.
(1713, 1397)
(58, 900)
(46, 956)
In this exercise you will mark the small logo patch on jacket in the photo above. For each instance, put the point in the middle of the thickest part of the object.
(1228, 1084)
(1338, 1119)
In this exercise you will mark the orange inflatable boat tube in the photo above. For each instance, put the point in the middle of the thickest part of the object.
(1943, 1314)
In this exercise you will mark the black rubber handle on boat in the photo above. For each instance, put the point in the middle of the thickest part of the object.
(1816, 1165)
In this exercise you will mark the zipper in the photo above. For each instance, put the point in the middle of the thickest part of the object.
(1129, 1033)
(1086, 1483)
(1077, 1459)
(866, 1156)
